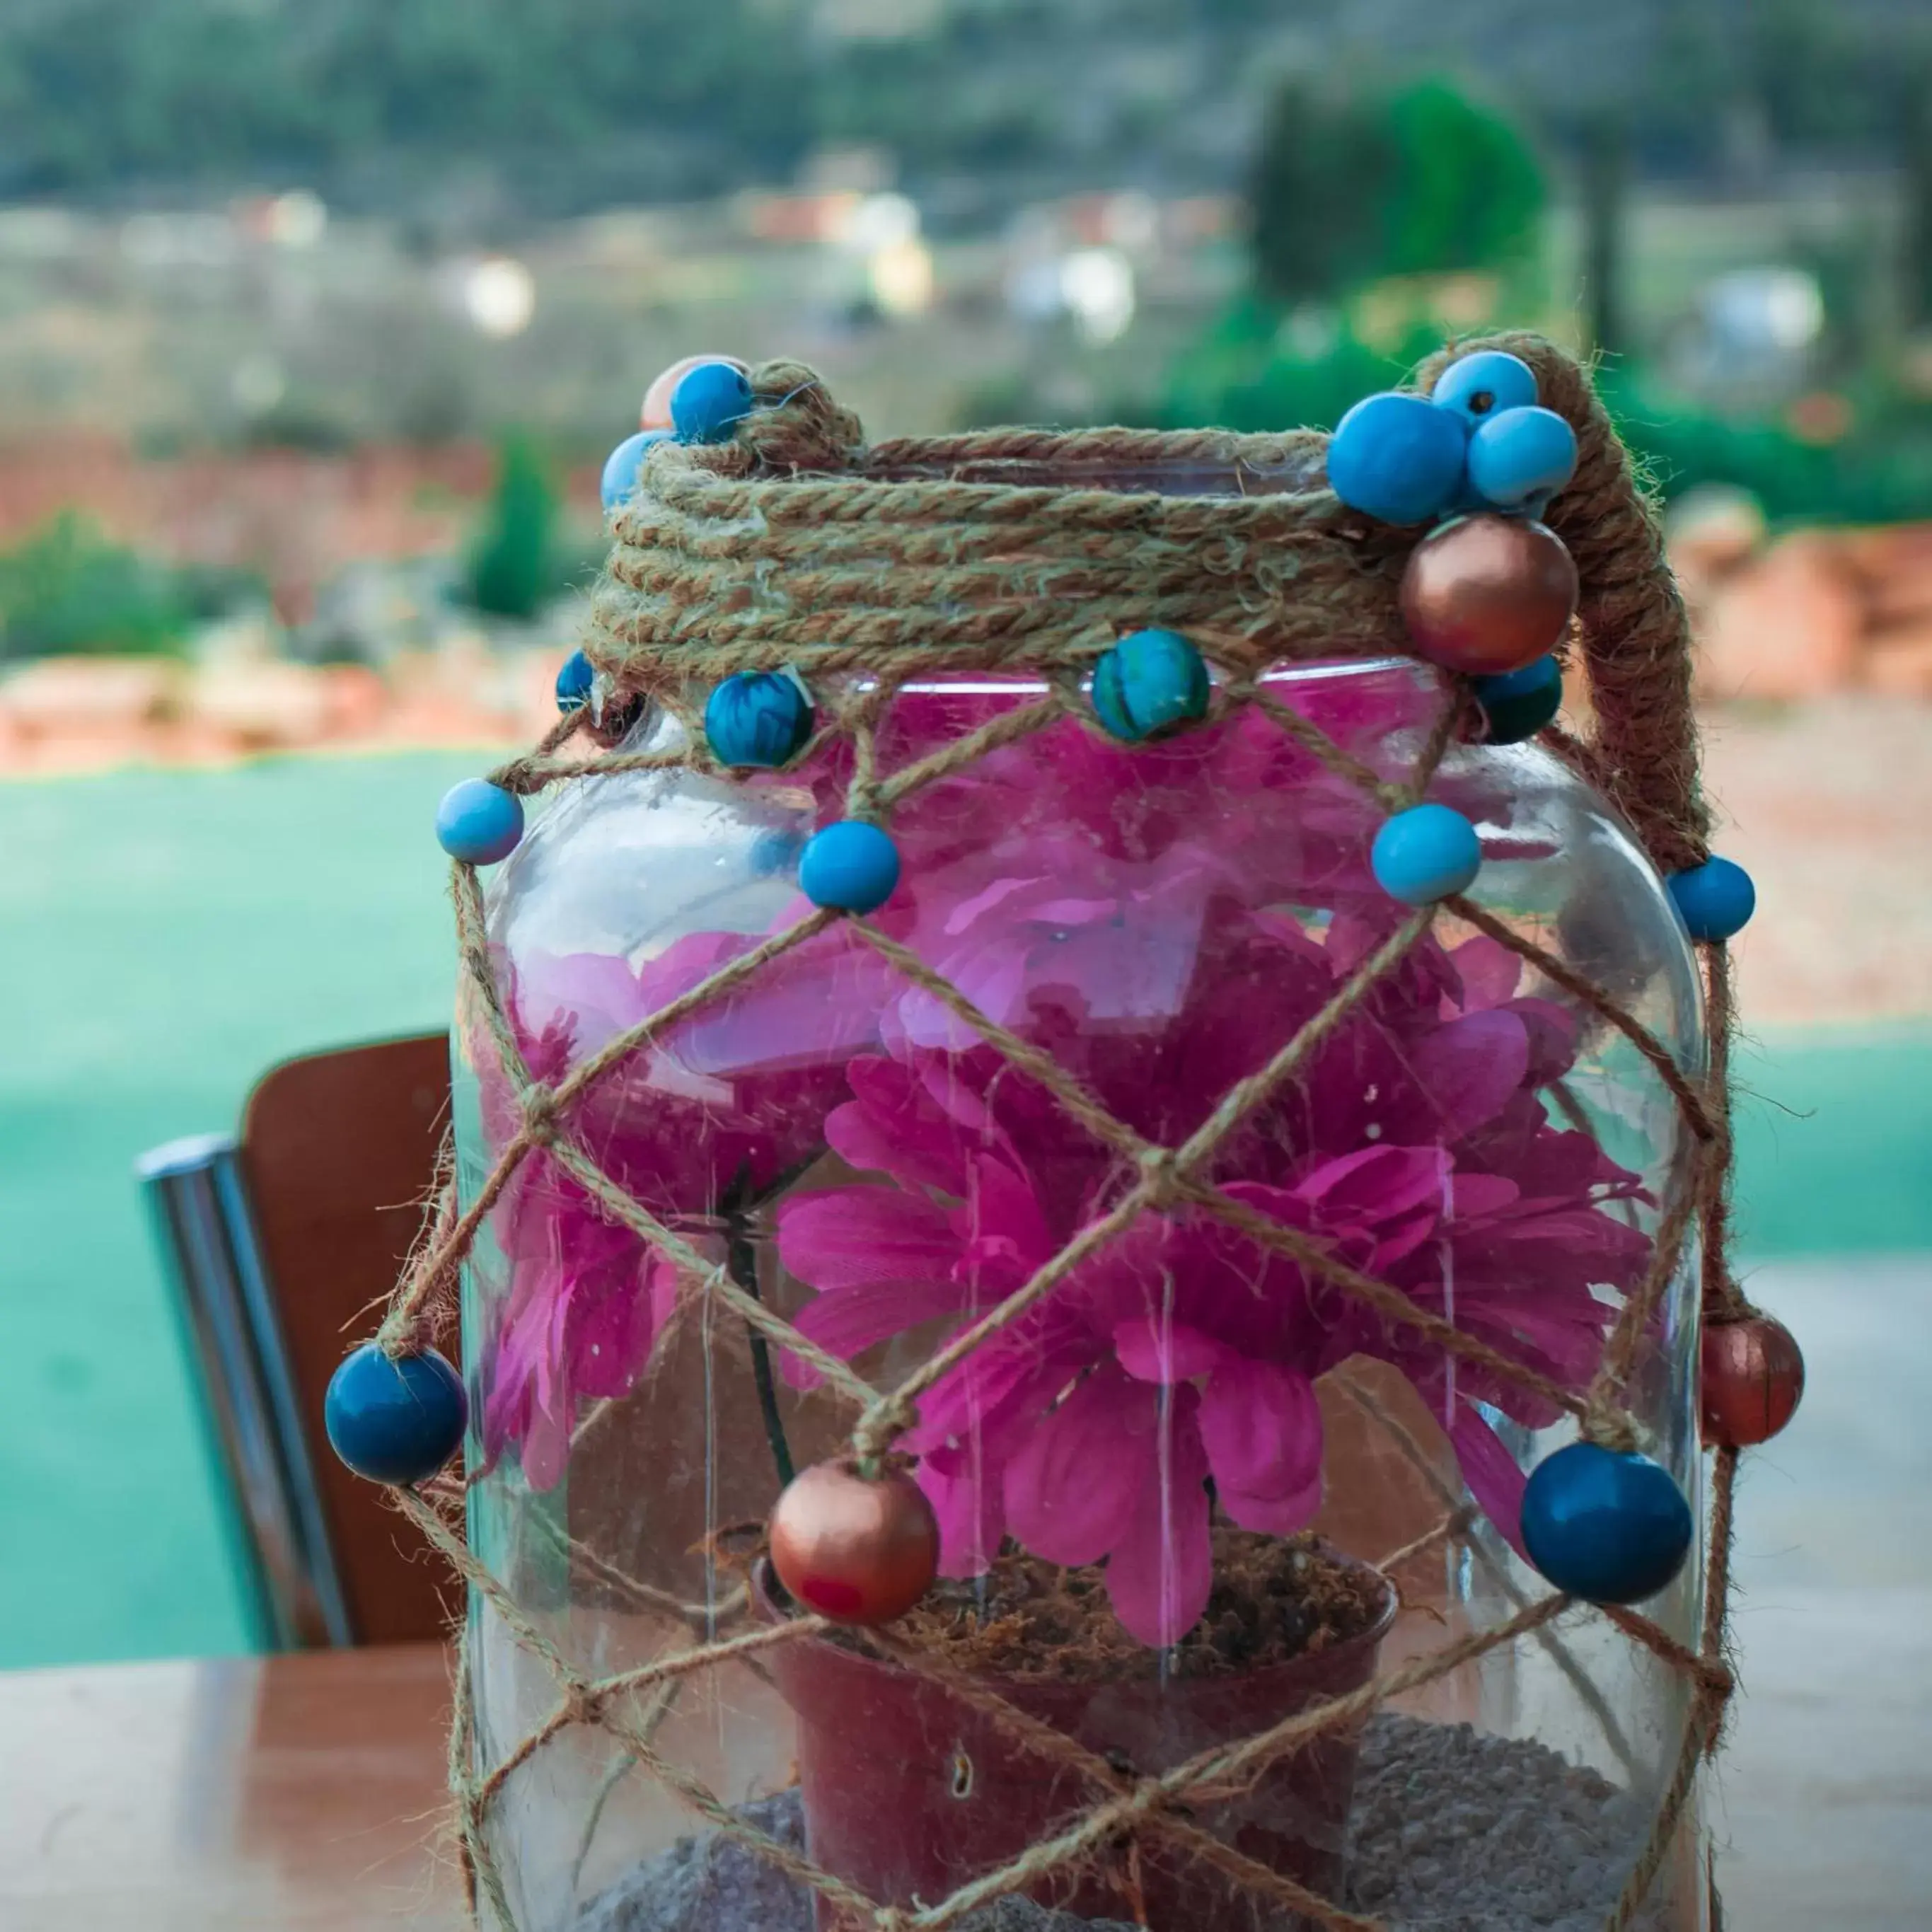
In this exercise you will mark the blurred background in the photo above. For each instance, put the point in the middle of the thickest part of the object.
(317, 322)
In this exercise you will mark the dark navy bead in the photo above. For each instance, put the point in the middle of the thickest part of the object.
(1425, 854)
(574, 683)
(395, 1421)
(1517, 704)
(708, 404)
(479, 822)
(1715, 899)
(757, 717)
(1397, 458)
(621, 468)
(1485, 385)
(1519, 459)
(850, 866)
(1150, 682)
(1606, 1526)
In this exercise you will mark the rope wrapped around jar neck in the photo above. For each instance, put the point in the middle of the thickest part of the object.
(797, 544)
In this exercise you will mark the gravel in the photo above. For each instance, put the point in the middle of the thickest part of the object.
(1452, 1831)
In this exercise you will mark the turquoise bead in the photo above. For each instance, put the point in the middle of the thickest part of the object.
(1517, 704)
(395, 1421)
(710, 403)
(1484, 384)
(1426, 854)
(1397, 458)
(479, 822)
(574, 683)
(757, 717)
(623, 465)
(1604, 1525)
(1715, 900)
(850, 866)
(1150, 682)
(1519, 459)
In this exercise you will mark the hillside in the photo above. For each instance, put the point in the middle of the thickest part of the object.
(469, 111)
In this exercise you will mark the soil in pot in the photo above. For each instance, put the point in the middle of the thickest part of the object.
(909, 1791)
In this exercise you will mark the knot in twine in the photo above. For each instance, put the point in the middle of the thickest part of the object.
(538, 1103)
(1160, 1176)
(882, 1425)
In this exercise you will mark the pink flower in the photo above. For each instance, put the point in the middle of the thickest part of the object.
(1181, 1354)
(714, 1114)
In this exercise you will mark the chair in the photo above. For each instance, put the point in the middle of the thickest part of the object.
(281, 1243)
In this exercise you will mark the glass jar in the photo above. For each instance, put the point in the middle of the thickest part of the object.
(1227, 1430)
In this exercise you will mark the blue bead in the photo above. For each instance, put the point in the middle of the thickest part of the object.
(479, 822)
(757, 717)
(1605, 1525)
(850, 866)
(623, 465)
(1150, 682)
(1715, 899)
(1425, 853)
(710, 403)
(1519, 459)
(1517, 704)
(1484, 384)
(1397, 458)
(395, 1421)
(574, 683)
(773, 852)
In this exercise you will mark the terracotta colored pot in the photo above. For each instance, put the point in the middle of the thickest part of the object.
(909, 1792)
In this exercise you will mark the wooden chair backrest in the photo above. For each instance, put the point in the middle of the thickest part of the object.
(338, 1153)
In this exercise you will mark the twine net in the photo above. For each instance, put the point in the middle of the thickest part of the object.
(796, 545)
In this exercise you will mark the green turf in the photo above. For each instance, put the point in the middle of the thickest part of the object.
(166, 936)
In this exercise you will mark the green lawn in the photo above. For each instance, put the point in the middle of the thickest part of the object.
(166, 936)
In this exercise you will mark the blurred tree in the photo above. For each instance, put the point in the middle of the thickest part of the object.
(515, 568)
(68, 588)
(1915, 173)
(1349, 187)
(1606, 185)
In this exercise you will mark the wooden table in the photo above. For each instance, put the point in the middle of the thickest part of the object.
(290, 1794)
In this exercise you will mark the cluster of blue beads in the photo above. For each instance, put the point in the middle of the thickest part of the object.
(706, 406)
(1479, 441)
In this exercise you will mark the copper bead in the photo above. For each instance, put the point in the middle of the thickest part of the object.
(1752, 1379)
(656, 413)
(856, 1551)
(1487, 594)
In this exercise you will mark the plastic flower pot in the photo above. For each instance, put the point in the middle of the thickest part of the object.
(910, 1792)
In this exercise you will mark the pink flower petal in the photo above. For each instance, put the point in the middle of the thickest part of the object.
(1072, 1489)
(1162, 1570)
(972, 1520)
(853, 1237)
(1261, 1426)
(1492, 1473)
(846, 1321)
(1489, 971)
(1470, 1068)
(1152, 1349)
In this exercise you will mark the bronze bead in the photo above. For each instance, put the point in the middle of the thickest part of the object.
(855, 1551)
(1487, 594)
(1753, 1377)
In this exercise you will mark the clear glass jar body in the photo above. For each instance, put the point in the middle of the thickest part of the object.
(842, 1143)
